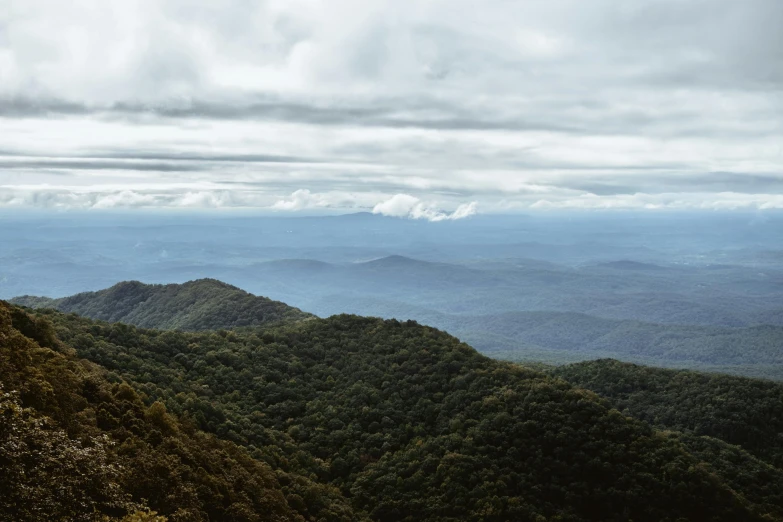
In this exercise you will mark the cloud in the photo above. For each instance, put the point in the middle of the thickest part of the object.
(304, 199)
(135, 157)
(398, 205)
(167, 103)
(124, 199)
(89, 164)
(670, 201)
(407, 206)
(464, 210)
(59, 199)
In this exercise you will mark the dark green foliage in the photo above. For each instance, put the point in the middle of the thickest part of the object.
(758, 481)
(410, 424)
(75, 446)
(36, 328)
(205, 304)
(741, 411)
(743, 347)
(46, 475)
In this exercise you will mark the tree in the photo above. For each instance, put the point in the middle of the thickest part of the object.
(48, 476)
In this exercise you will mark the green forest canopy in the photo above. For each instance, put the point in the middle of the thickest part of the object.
(349, 417)
(204, 304)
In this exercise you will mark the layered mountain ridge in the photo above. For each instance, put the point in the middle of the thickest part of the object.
(353, 418)
(523, 335)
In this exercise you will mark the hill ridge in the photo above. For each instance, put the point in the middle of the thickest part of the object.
(200, 304)
(411, 424)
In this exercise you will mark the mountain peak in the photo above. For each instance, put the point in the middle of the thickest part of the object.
(627, 264)
(394, 260)
(201, 304)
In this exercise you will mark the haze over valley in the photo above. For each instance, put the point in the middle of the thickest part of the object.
(681, 290)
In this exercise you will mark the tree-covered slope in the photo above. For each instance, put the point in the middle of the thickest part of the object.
(753, 350)
(75, 446)
(545, 336)
(741, 411)
(205, 304)
(410, 424)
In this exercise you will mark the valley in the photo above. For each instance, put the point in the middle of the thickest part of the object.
(553, 289)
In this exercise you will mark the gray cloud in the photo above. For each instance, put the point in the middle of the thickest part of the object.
(667, 183)
(510, 104)
(221, 158)
(376, 113)
(79, 160)
(571, 116)
(70, 164)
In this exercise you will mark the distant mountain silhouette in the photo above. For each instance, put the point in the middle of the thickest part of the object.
(396, 261)
(627, 264)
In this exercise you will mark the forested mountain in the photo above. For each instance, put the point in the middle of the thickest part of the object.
(390, 420)
(565, 337)
(734, 423)
(204, 304)
(741, 411)
(77, 444)
(731, 296)
(543, 335)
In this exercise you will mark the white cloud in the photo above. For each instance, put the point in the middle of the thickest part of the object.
(303, 199)
(124, 199)
(397, 205)
(464, 210)
(54, 198)
(671, 201)
(407, 206)
(400, 205)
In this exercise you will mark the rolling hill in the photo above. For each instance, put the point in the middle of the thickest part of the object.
(76, 445)
(730, 296)
(398, 421)
(541, 336)
(741, 411)
(563, 337)
(555, 337)
(204, 304)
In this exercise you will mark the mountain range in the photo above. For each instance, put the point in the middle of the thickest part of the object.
(542, 336)
(235, 407)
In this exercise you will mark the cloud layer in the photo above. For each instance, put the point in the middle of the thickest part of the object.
(411, 109)
(407, 206)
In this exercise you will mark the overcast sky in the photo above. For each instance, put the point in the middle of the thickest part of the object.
(433, 109)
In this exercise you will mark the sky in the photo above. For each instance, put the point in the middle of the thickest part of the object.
(429, 109)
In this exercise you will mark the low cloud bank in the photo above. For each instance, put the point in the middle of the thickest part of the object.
(407, 206)
(404, 206)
